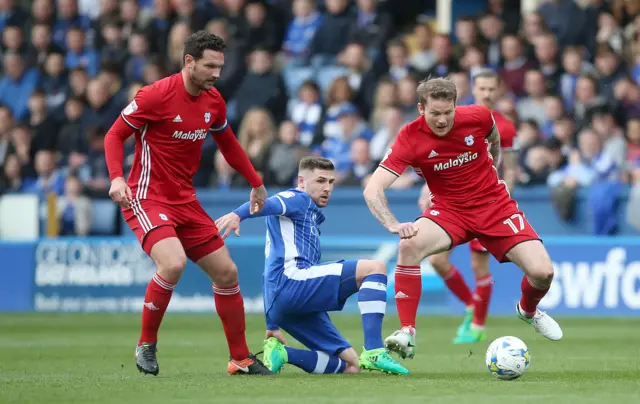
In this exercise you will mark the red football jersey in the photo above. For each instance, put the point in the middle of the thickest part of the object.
(507, 130)
(170, 126)
(458, 166)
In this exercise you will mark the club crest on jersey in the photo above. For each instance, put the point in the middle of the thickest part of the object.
(464, 158)
(469, 140)
(207, 117)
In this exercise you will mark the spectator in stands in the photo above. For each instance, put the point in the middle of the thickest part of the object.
(187, 13)
(129, 17)
(339, 93)
(338, 149)
(515, 66)
(301, 31)
(463, 89)
(332, 34)
(21, 141)
(491, 30)
(159, 26)
(386, 133)
(422, 57)
(531, 106)
(103, 109)
(633, 142)
(11, 177)
(407, 98)
(564, 129)
(40, 46)
(261, 30)
(138, 57)
(13, 40)
(610, 134)
(74, 210)
(534, 166)
(306, 113)
(285, 156)
(68, 17)
(43, 126)
(548, 58)
(256, 134)
(49, 177)
(610, 69)
(587, 98)
(399, 63)
(42, 12)
(474, 60)
(627, 94)
(467, 36)
(557, 14)
(70, 134)
(372, 27)
(114, 48)
(446, 62)
(362, 166)
(12, 14)
(234, 60)
(262, 87)
(553, 109)
(528, 134)
(385, 97)
(361, 77)
(78, 55)
(55, 81)
(17, 84)
(179, 32)
(6, 126)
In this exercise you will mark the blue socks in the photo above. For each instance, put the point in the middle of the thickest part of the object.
(314, 361)
(372, 301)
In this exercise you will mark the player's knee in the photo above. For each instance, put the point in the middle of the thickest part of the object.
(171, 267)
(226, 275)
(480, 265)
(542, 273)
(376, 267)
(409, 251)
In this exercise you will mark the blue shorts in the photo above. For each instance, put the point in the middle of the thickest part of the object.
(305, 298)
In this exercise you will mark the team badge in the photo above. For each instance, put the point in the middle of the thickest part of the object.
(469, 140)
(207, 117)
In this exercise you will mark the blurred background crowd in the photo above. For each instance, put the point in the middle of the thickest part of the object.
(332, 77)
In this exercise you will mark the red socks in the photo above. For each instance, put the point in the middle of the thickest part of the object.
(456, 284)
(230, 308)
(530, 297)
(156, 301)
(481, 299)
(408, 291)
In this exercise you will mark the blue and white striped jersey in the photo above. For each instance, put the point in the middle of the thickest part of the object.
(293, 238)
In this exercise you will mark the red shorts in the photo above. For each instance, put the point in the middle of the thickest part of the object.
(153, 221)
(495, 228)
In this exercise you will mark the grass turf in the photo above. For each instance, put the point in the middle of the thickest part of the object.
(88, 358)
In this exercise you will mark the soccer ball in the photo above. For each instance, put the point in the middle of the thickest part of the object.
(508, 358)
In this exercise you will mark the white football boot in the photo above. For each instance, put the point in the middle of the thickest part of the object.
(402, 342)
(542, 323)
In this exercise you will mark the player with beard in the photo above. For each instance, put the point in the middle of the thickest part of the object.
(457, 151)
(170, 119)
(472, 330)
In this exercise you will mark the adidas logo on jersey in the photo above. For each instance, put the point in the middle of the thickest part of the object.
(177, 119)
(198, 134)
(457, 162)
(433, 154)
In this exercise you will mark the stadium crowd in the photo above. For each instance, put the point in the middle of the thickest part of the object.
(331, 77)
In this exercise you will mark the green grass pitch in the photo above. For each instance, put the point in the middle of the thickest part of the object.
(71, 358)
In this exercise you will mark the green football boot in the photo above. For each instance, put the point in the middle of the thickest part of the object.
(379, 359)
(275, 355)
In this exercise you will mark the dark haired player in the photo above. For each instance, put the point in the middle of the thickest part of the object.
(170, 120)
(456, 150)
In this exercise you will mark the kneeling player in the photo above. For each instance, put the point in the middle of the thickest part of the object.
(299, 291)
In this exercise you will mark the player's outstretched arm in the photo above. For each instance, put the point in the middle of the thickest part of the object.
(378, 205)
(494, 146)
(231, 221)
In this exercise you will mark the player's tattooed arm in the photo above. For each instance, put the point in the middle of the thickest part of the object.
(375, 198)
(509, 167)
(494, 145)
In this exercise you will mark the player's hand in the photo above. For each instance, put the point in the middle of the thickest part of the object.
(229, 222)
(120, 192)
(277, 334)
(257, 199)
(404, 230)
